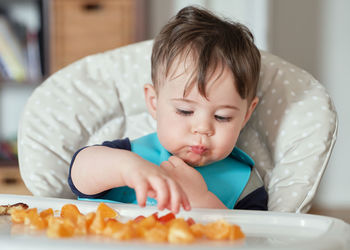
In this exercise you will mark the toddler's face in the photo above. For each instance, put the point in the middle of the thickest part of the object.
(199, 130)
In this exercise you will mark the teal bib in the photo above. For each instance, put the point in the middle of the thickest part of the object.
(226, 178)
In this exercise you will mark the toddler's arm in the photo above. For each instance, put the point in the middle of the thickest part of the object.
(99, 168)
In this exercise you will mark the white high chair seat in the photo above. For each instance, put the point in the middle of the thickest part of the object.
(100, 97)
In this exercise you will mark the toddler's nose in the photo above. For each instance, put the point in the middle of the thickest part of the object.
(203, 129)
(203, 132)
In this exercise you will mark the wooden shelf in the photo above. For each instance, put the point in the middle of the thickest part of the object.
(8, 163)
(80, 28)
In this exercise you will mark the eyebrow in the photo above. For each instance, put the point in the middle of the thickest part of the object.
(190, 101)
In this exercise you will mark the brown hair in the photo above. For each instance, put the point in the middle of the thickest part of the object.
(215, 42)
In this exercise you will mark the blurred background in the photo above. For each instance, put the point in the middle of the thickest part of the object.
(38, 37)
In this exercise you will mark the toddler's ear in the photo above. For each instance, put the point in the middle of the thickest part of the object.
(250, 110)
(151, 99)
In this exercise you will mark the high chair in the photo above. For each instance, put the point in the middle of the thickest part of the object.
(290, 135)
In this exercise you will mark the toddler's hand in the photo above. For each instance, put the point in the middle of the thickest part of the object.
(189, 178)
(153, 181)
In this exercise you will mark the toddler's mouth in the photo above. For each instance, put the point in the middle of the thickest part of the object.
(200, 150)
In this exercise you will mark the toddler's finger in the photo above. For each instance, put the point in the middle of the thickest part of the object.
(151, 193)
(162, 191)
(176, 161)
(175, 198)
(141, 189)
(186, 203)
(168, 207)
(166, 165)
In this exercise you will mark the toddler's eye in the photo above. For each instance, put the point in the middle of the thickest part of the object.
(223, 118)
(184, 112)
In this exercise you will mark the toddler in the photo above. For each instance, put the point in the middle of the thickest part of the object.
(205, 72)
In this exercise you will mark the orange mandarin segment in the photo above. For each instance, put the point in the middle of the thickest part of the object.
(111, 227)
(218, 230)
(118, 230)
(46, 214)
(148, 222)
(142, 225)
(236, 233)
(179, 232)
(98, 224)
(125, 234)
(29, 215)
(81, 227)
(60, 228)
(197, 230)
(138, 229)
(33, 219)
(105, 211)
(18, 215)
(89, 219)
(71, 212)
(38, 223)
(157, 234)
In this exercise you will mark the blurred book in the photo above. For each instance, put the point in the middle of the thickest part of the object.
(8, 150)
(26, 14)
(33, 57)
(12, 57)
(3, 70)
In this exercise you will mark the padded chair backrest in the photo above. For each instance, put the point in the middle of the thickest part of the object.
(290, 135)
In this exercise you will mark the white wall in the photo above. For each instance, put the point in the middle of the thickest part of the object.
(313, 34)
(334, 72)
(317, 38)
(252, 13)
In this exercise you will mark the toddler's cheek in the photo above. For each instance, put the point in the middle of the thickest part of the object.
(169, 140)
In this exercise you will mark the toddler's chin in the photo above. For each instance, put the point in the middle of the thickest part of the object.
(189, 160)
(196, 162)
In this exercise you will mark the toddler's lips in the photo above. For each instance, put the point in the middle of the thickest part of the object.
(200, 150)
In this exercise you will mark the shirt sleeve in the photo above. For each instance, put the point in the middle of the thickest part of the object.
(254, 195)
(119, 144)
(256, 200)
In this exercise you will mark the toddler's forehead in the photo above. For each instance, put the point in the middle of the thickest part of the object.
(178, 68)
(189, 65)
